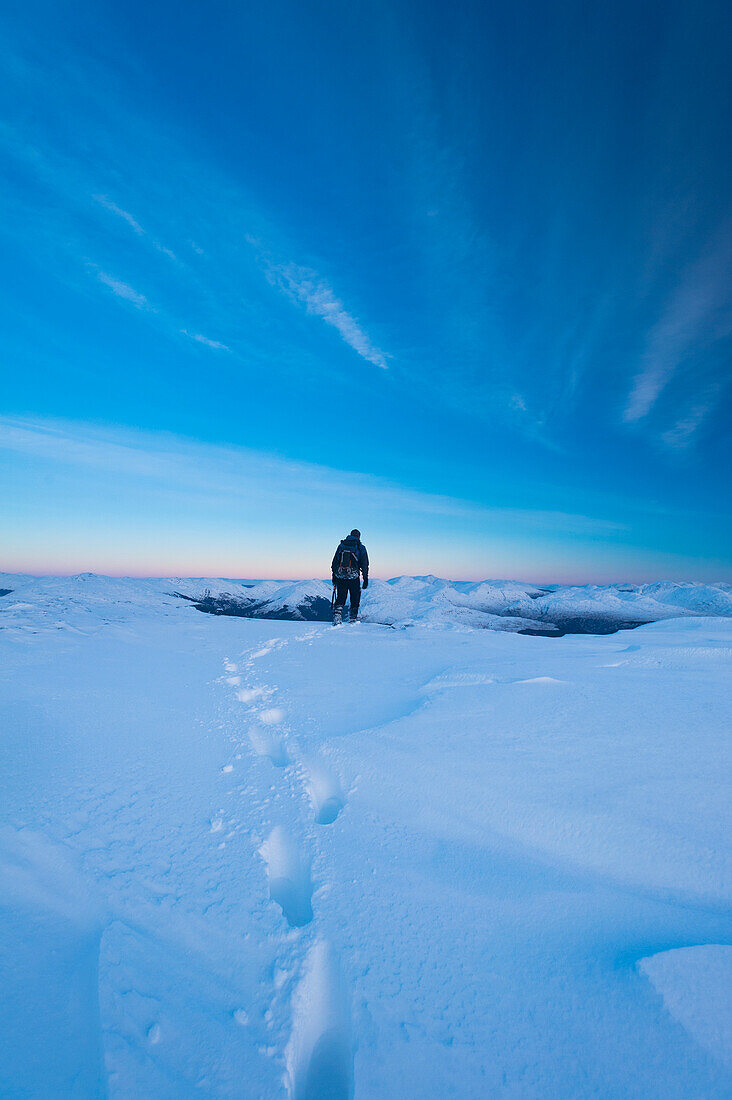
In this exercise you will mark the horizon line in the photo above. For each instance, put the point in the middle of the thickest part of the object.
(386, 580)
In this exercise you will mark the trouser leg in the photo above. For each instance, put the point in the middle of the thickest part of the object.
(341, 593)
(355, 590)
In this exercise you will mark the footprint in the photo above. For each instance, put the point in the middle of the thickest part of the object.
(229, 666)
(272, 717)
(289, 878)
(267, 743)
(325, 793)
(233, 681)
(319, 1054)
(248, 695)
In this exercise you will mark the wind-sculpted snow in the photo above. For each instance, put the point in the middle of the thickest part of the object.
(695, 984)
(242, 857)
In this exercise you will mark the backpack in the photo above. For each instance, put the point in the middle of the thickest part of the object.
(348, 567)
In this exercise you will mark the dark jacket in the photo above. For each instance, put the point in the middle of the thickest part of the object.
(358, 548)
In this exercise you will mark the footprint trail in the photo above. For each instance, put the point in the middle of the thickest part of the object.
(319, 1055)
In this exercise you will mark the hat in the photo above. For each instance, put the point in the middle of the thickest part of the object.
(356, 533)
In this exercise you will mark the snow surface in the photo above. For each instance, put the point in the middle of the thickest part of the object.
(696, 986)
(250, 858)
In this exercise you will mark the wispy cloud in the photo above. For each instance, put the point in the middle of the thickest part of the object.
(308, 288)
(208, 473)
(122, 290)
(684, 430)
(215, 344)
(114, 209)
(134, 225)
(79, 181)
(696, 314)
(129, 294)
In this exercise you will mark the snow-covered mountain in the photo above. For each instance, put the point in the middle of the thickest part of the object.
(404, 601)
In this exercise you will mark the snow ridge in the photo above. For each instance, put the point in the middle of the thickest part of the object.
(78, 603)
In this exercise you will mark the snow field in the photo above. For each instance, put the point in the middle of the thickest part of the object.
(535, 871)
(409, 863)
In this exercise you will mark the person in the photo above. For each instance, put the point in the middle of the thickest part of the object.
(349, 562)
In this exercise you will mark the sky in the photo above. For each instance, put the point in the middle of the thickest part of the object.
(456, 274)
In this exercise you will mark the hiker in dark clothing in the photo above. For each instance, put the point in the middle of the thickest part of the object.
(349, 562)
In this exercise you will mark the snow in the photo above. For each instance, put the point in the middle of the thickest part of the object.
(68, 602)
(696, 986)
(419, 862)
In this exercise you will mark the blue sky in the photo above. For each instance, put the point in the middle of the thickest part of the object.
(456, 274)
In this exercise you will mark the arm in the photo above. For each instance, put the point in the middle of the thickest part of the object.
(364, 565)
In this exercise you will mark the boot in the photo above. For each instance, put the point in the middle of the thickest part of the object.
(337, 615)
